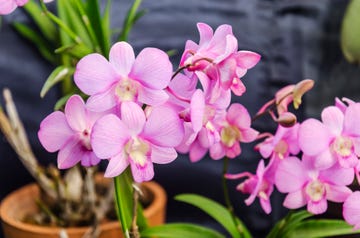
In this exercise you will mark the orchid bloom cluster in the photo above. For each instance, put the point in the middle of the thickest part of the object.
(140, 112)
(326, 166)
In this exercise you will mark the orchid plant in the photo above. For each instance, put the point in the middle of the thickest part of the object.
(135, 111)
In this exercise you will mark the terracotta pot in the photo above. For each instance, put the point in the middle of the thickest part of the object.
(22, 201)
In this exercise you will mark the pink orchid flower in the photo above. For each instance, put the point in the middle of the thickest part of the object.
(335, 139)
(306, 185)
(282, 144)
(351, 210)
(137, 140)
(69, 133)
(257, 185)
(217, 55)
(8, 6)
(124, 77)
(234, 129)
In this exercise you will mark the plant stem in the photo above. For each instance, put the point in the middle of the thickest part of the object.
(227, 196)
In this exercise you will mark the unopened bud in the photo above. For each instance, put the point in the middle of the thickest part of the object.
(300, 89)
(287, 119)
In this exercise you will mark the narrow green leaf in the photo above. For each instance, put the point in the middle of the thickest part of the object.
(60, 73)
(106, 26)
(76, 50)
(37, 40)
(94, 16)
(61, 102)
(316, 228)
(216, 211)
(131, 17)
(45, 25)
(180, 230)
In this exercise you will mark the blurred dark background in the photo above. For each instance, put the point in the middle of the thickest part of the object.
(297, 39)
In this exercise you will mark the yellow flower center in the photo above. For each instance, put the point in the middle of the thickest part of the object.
(126, 90)
(315, 190)
(281, 148)
(343, 146)
(138, 151)
(229, 135)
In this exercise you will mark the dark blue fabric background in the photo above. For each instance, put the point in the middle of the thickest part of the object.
(297, 39)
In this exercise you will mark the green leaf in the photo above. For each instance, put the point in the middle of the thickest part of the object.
(94, 16)
(131, 17)
(76, 50)
(106, 25)
(216, 211)
(350, 32)
(60, 73)
(180, 230)
(45, 25)
(316, 228)
(35, 39)
(61, 102)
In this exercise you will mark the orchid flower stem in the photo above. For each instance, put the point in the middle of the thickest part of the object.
(226, 193)
(130, 19)
(134, 227)
(179, 70)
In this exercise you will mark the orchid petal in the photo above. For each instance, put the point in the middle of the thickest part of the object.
(94, 74)
(117, 165)
(351, 120)
(314, 137)
(102, 101)
(324, 160)
(197, 110)
(122, 58)
(338, 193)
(75, 113)
(295, 200)
(290, 175)
(162, 155)
(152, 68)
(351, 209)
(197, 152)
(133, 117)
(152, 97)
(163, 127)
(217, 151)
(142, 173)
(333, 118)
(70, 154)
(247, 59)
(7, 7)
(108, 136)
(89, 159)
(317, 207)
(238, 115)
(54, 131)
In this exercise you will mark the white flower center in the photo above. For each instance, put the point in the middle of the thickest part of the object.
(138, 151)
(315, 190)
(343, 146)
(126, 90)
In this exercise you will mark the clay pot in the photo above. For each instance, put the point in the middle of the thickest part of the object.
(22, 202)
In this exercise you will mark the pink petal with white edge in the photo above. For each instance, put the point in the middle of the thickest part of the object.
(333, 118)
(102, 101)
(122, 57)
(75, 113)
(206, 33)
(351, 209)
(163, 127)
(337, 193)
(162, 155)
(314, 137)
(247, 59)
(94, 74)
(108, 136)
(152, 97)
(317, 207)
(351, 121)
(117, 165)
(54, 131)
(295, 200)
(133, 117)
(152, 68)
(197, 108)
(143, 173)
(70, 154)
(7, 6)
(290, 175)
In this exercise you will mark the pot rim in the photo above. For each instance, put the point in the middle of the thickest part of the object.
(156, 205)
